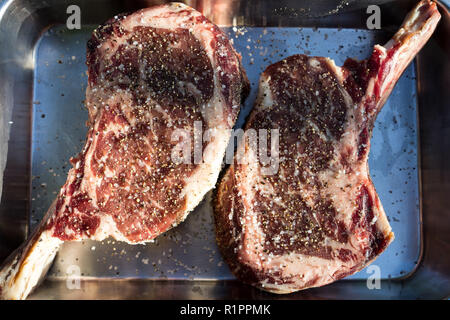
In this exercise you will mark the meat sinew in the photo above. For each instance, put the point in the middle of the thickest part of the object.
(317, 218)
(155, 76)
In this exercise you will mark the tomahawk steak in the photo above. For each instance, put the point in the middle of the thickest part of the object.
(317, 217)
(154, 75)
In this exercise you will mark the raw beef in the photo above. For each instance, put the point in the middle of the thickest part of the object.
(157, 78)
(314, 217)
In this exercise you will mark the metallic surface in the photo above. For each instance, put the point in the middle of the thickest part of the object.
(43, 80)
(189, 251)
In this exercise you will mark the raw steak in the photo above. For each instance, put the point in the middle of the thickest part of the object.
(318, 218)
(154, 75)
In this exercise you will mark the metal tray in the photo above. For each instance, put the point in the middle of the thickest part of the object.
(43, 78)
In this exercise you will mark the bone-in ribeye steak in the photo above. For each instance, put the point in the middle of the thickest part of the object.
(151, 74)
(318, 219)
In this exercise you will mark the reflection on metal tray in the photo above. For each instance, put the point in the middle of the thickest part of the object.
(189, 251)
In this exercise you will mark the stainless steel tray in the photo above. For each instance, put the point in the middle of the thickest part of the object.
(45, 82)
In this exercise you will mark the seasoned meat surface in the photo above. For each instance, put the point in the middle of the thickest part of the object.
(315, 217)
